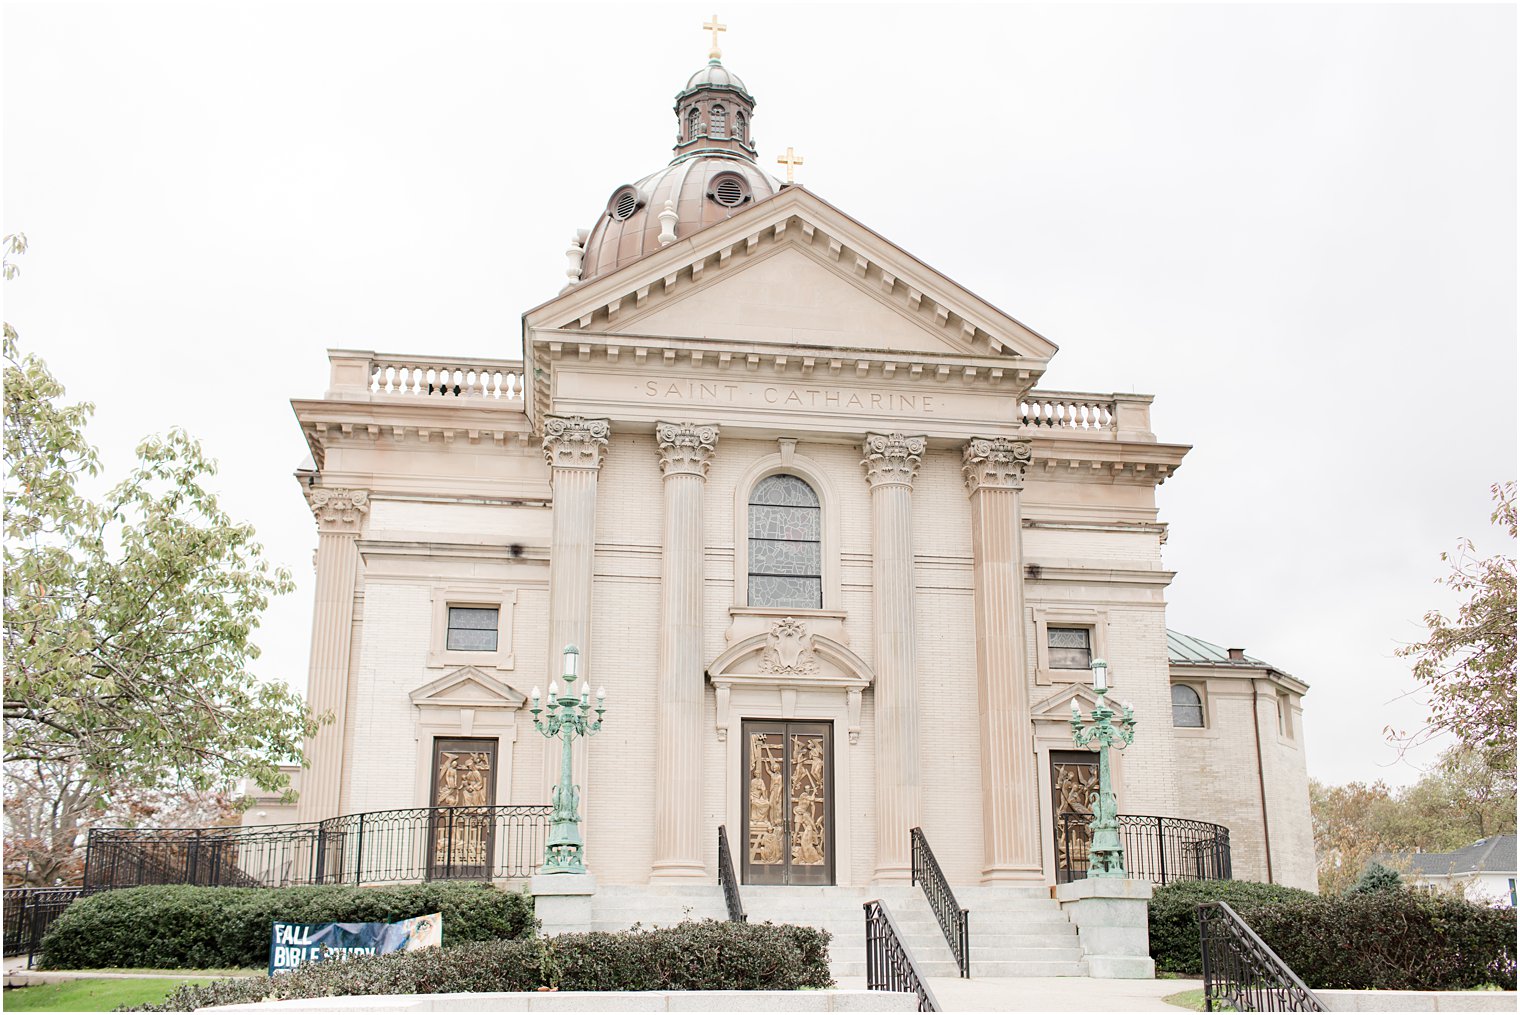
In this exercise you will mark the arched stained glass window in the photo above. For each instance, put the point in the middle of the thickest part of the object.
(741, 126)
(785, 544)
(1187, 707)
(693, 122)
(718, 117)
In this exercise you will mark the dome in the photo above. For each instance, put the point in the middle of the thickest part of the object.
(702, 191)
(714, 75)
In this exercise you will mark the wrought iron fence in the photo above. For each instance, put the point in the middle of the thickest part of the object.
(418, 844)
(1157, 849)
(1240, 970)
(889, 964)
(726, 878)
(29, 912)
(953, 920)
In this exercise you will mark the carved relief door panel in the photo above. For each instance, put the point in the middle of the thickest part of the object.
(462, 827)
(789, 803)
(1073, 780)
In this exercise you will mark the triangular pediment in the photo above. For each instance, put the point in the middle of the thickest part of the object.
(790, 653)
(792, 270)
(1057, 707)
(467, 687)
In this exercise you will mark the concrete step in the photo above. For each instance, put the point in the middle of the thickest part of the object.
(1015, 969)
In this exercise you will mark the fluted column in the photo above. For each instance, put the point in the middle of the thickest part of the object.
(685, 452)
(994, 470)
(891, 463)
(574, 447)
(340, 517)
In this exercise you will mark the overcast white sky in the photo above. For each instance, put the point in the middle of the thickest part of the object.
(1295, 225)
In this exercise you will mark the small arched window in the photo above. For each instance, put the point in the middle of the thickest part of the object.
(785, 544)
(741, 127)
(1187, 707)
(693, 122)
(718, 117)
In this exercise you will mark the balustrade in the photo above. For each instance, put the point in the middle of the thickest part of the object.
(445, 378)
(1066, 410)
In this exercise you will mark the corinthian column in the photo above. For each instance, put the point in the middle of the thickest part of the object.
(685, 451)
(994, 470)
(574, 447)
(891, 463)
(340, 516)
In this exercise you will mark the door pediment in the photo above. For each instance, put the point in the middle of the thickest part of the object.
(467, 687)
(1057, 707)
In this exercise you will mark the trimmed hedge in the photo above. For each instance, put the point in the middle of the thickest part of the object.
(191, 927)
(711, 955)
(1387, 940)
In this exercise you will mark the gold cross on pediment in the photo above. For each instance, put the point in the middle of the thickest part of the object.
(714, 27)
(791, 160)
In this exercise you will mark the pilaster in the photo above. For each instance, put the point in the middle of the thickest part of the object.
(574, 447)
(994, 471)
(891, 464)
(686, 451)
(340, 518)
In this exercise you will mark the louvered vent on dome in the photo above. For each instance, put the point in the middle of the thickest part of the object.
(729, 191)
(623, 204)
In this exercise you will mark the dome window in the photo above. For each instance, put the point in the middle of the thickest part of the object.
(729, 190)
(693, 123)
(740, 127)
(719, 120)
(623, 204)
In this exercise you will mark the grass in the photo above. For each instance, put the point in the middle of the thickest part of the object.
(1192, 1000)
(94, 994)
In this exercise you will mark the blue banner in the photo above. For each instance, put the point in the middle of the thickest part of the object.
(292, 944)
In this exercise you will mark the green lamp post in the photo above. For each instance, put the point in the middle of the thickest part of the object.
(1105, 852)
(569, 716)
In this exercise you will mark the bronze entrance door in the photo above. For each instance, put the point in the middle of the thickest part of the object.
(461, 825)
(1073, 780)
(789, 803)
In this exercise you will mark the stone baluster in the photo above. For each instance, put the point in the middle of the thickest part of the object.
(891, 463)
(574, 447)
(340, 518)
(686, 449)
(994, 470)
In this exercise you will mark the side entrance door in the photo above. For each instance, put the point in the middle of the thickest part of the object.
(1073, 780)
(789, 806)
(462, 832)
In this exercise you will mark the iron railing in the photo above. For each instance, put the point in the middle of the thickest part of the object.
(953, 920)
(1240, 970)
(1155, 849)
(889, 964)
(726, 878)
(29, 912)
(419, 844)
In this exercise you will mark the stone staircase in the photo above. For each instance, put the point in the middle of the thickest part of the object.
(1014, 931)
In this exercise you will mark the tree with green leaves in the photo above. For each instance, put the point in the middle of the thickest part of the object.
(1467, 663)
(129, 616)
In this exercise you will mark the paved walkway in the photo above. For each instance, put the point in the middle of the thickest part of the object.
(1051, 993)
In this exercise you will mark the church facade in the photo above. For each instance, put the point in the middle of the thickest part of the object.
(798, 499)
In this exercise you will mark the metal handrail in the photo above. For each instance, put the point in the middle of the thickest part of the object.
(29, 912)
(1157, 849)
(411, 844)
(1242, 970)
(953, 919)
(726, 878)
(889, 964)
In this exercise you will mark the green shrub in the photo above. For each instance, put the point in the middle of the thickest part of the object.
(1379, 940)
(710, 955)
(1174, 927)
(190, 927)
(1376, 878)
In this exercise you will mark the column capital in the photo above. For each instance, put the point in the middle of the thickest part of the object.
(891, 458)
(574, 442)
(686, 449)
(338, 510)
(995, 463)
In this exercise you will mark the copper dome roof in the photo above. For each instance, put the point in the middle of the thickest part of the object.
(712, 177)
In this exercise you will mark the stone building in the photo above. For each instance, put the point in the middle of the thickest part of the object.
(798, 498)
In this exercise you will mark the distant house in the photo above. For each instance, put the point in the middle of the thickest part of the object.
(1485, 870)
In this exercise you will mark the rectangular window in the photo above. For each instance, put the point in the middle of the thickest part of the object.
(1070, 648)
(472, 629)
(1512, 893)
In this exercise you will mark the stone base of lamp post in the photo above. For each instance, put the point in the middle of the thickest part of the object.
(563, 902)
(1111, 916)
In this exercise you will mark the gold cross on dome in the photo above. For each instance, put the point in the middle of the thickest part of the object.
(713, 27)
(790, 160)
